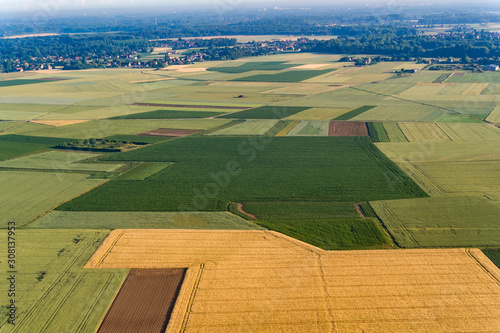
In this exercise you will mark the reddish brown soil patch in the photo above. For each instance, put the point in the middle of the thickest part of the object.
(145, 301)
(458, 74)
(240, 208)
(193, 106)
(176, 133)
(347, 128)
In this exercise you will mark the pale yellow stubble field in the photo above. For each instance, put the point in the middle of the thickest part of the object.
(248, 281)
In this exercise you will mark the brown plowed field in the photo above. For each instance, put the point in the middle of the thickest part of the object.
(145, 302)
(176, 133)
(262, 281)
(347, 128)
(193, 106)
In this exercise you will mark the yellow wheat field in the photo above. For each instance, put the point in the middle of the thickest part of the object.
(57, 123)
(262, 281)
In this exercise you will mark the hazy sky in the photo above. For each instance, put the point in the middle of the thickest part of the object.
(62, 5)
(57, 5)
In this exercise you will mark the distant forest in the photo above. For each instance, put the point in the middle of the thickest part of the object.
(391, 35)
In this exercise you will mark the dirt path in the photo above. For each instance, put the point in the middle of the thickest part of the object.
(358, 208)
(240, 209)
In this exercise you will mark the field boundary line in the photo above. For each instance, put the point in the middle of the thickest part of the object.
(106, 246)
(110, 247)
(189, 306)
(485, 264)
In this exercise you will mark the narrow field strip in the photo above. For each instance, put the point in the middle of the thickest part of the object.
(288, 128)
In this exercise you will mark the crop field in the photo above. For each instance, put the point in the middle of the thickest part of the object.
(266, 112)
(12, 145)
(142, 220)
(347, 128)
(148, 294)
(394, 133)
(310, 128)
(26, 195)
(248, 127)
(53, 291)
(254, 65)
(284, 172)
(169, 114)
(377, 132)
(439, 132)
(318, 114)
(449, 168)
(59, 160)
(106, 127)
(286, 285)
(254, 171)
(287, 76)
(441, 221)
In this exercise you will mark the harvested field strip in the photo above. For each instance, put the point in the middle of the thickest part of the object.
(394, 133)
(290, 286)
(192, 106)
(170, 132)
(475, 89)
(347, 128)
(355, 112)
(288, 128)
(423, 132)
(145, 301)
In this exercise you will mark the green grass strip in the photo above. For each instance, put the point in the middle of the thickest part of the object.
(377, 132)
(355, 112)
(169, 114)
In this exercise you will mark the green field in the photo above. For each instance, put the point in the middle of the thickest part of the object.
(253, 65)
(18, 145)
(59, 160)
(144, 170)
(147, 220)
(332, 234)
(288, 76)
(441, 221)
(169, 114)
(394, 133)
(266, 112)
(248, 127)
(199, 178)
(355, 112)
(301, 209)
(494, 255)
(26, 195)
(377, 132)
(54, 293)
(19, 82)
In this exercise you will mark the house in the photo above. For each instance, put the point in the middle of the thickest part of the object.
(490, 68)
